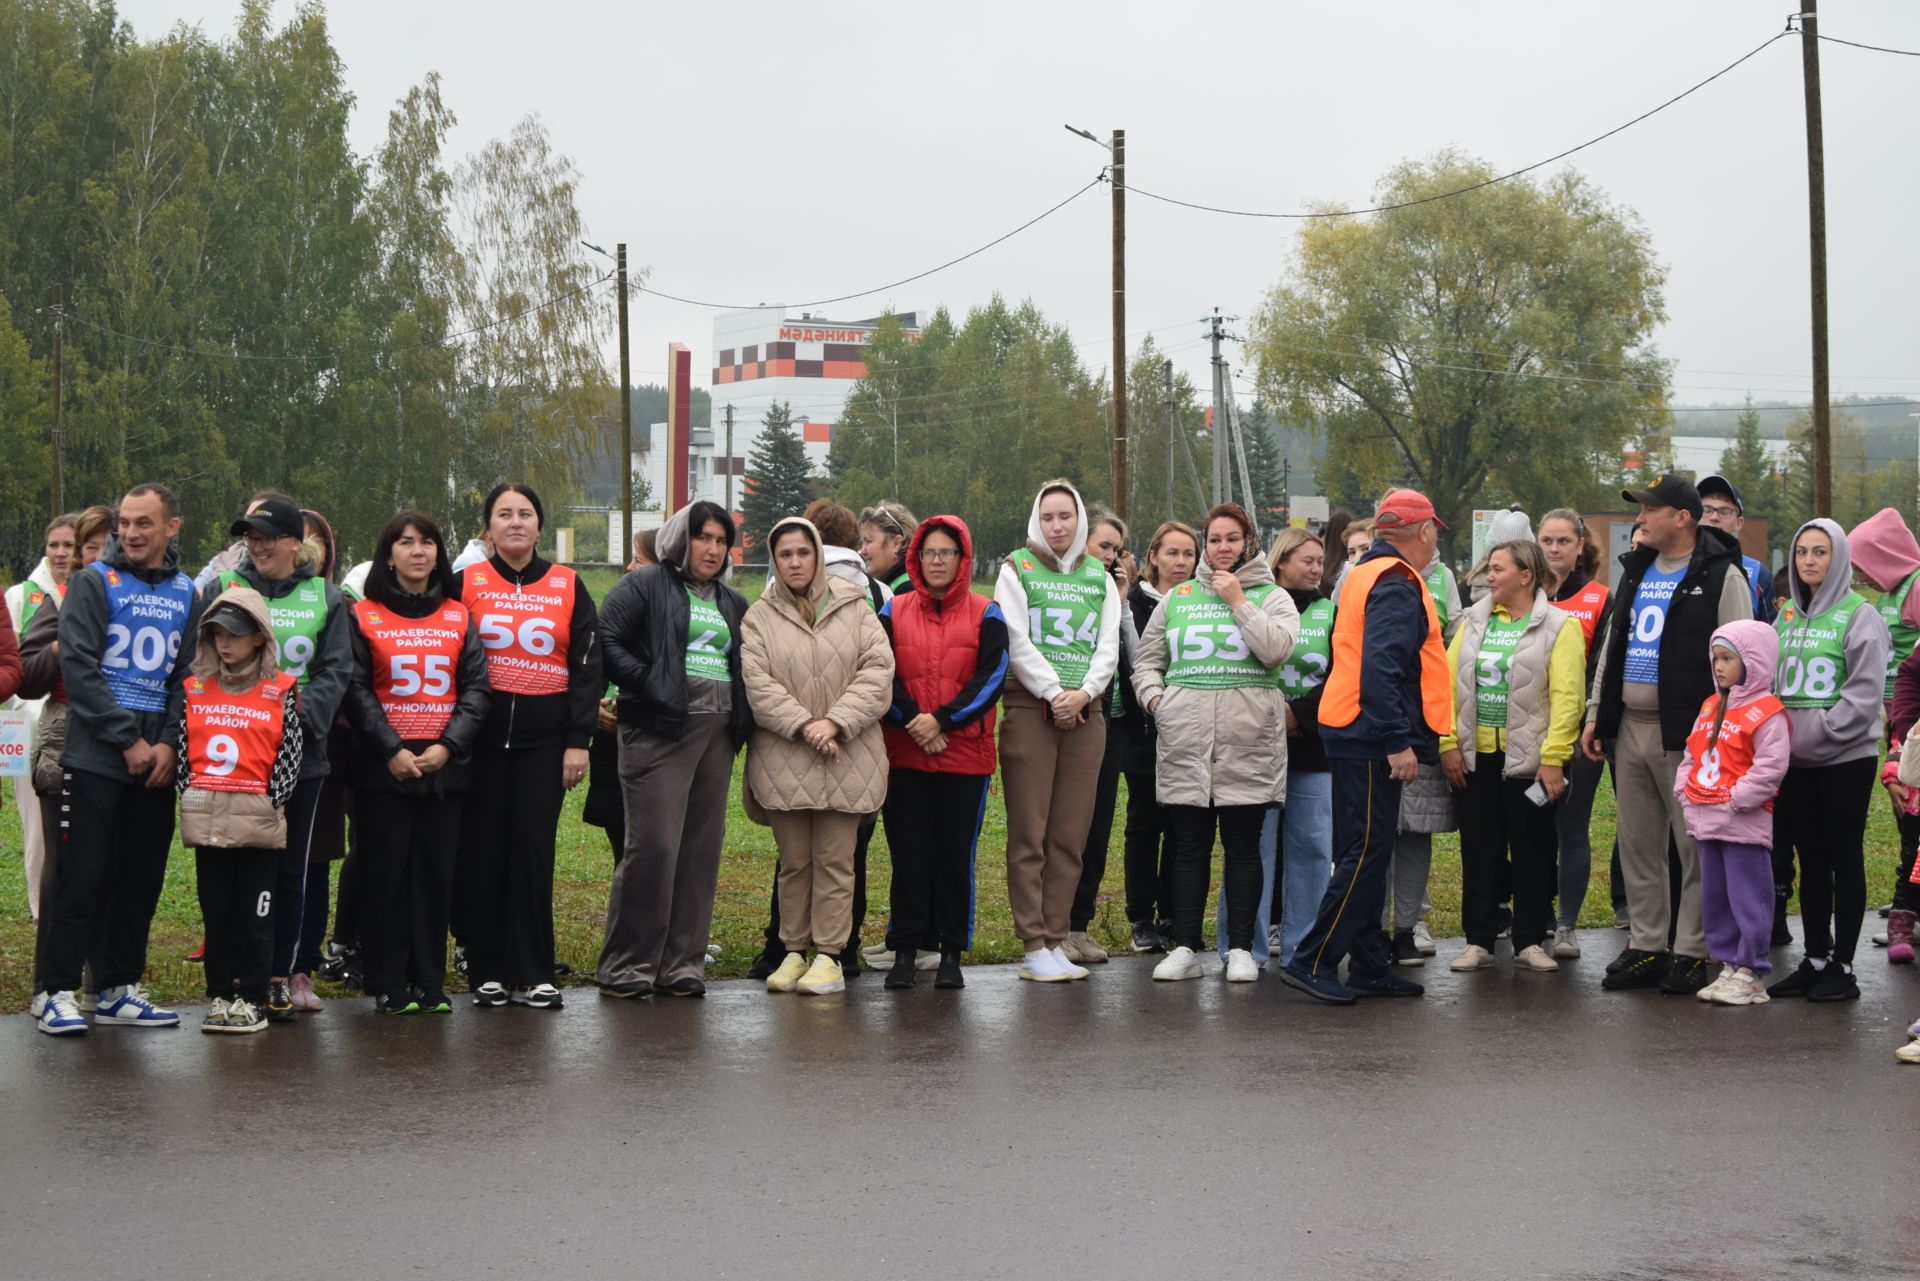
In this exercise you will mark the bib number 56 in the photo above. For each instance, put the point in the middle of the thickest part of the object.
(535, 635)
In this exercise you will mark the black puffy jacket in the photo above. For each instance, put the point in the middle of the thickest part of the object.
(643, 648)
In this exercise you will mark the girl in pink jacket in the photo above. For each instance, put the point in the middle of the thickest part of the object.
(1729, 774)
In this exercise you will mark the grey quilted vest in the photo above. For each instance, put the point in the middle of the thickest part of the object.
(1528, 706)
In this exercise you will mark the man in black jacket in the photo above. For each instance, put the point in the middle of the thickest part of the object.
(1684, 581)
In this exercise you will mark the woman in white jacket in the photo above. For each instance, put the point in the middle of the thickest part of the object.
(24, 600)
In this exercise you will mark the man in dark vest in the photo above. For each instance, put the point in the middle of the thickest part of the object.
(1682, 581)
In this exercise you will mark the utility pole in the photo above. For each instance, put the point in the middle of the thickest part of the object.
(1220, 445)
(1119, 172)
(59, 335)
(1817, 256)
(730, 468)
(626, 417)
(1166, 375)
(1237, 434)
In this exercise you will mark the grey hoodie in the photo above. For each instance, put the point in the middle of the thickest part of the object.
(1850, 729)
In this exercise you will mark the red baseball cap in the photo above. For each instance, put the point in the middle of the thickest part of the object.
(1403, 507)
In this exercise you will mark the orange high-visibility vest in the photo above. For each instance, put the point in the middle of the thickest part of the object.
(1340, 700)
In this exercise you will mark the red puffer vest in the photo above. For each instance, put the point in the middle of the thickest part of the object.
(935, 653)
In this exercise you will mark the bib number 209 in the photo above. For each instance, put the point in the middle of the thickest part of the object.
(146, 650)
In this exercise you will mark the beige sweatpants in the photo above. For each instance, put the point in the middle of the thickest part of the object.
(816, 877)
(1647, 811)
(1049, 776)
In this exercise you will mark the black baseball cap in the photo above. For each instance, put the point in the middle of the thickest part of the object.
(1669, 491)
(1722, 486)
(230, 618)
(275, 517)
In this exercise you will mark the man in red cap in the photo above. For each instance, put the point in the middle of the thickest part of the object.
(1386, 701)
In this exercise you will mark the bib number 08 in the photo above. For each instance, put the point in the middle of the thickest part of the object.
(1814, 678)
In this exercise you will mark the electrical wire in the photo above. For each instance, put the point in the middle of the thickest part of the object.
(1905, 53)
(1478, 186)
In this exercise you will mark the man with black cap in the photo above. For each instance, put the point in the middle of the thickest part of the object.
(1720, 507)
(1682, 581)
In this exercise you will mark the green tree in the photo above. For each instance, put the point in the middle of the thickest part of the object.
(1268, 500)
(779, 481)
(1752, 471)
(1484, 348)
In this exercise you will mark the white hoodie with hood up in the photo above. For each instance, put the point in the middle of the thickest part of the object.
(1030, 667)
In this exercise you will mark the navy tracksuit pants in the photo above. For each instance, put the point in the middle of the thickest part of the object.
(1366, 816)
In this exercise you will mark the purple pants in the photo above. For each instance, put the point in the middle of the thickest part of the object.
(1736, 903)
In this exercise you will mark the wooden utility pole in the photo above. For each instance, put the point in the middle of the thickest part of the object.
(1119, 172)
(729, 460)
(1817, 255)
(626, 417)
(1220, 445)
(59, 337)
(1166, 377)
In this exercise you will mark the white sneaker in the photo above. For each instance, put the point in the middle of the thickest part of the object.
(128, 1006)
(61, 1016)
(1714, 988)
(1080, 947)
(1180, 963)
(216, 1020)
(37, 1006)
(243, 1017)
(1240, 966)
(1474, 957)
(1071, 970)
(1566, 943)
(788, 976)
(1535, 959)
(541, 996)
(87, 1002)
(1422, 940)
(881, 958)
(1041, 966)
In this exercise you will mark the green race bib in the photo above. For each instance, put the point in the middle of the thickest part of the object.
(1063, 614)
(1813, 654)
(1904, 637)
(298, 620)
(1205, 647)
(1306, 667)
(708, 640)
(1491, 667)
(1436, 579)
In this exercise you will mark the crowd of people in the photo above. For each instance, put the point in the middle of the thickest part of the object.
(1320, 708)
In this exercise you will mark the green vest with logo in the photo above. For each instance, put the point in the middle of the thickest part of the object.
(33, 596)
(1306, 668)
(1436, 579)
(1813, 654)
(1205, 647)
(1063, 613)
(1905, 637)
(298, 619)
(708, 640)
(1491, 667)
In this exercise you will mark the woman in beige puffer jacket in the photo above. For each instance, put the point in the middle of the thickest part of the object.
(819, 676)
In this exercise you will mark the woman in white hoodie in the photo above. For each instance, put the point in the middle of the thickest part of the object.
(43, 587)
(1063, 640)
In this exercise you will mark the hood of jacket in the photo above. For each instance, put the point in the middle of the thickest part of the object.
(956, 529)
(807, 606)
(1759, 648)
(1812, 602)
(206, 659)
(1037, 542)
(116, 558)
(1252, 572)
(844, 563)
(1883, 549)
(42, 577)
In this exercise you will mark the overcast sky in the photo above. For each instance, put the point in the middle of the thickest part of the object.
(764, 152)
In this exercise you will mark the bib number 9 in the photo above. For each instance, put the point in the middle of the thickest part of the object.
(535, 635)
(295, 653)
(146, 650)
(1054, 628)
(224, 752)
(1815, 678)
(427, 675)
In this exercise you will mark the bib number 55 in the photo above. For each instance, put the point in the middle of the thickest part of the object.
(427, 675)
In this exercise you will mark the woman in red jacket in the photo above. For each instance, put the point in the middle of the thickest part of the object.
(950, 662)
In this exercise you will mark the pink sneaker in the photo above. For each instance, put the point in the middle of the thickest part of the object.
(304, 999)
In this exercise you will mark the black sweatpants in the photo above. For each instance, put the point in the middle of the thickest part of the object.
(933, 830)
(1506, 848)
(1147, 852)
(50, 813)
(1093, 858)
(290, 875)
(405, 887)
(1821, 815)
(1240, 876)
(236, 888)
(504, 871)
(1366, 817)
(862, 841)
(114, 838)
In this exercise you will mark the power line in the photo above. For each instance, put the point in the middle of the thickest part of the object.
(1905, 53)
(822, 302)
(1461, 191)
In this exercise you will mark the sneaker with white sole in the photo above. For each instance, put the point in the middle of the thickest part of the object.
(1422, 940)
(823, 978)
(1534, 960)
(87, 1002)
(1474, 957)
(216, 1020)
(784, 978)
(128, 1007)
(1720, 980)
(1080, 948)
(1074, 971)
(1744, 988)
(541, 996)
(1042, 966)
(1566, 943)
(37, 1006)
(242, 1016)
(1908, 1053)
(490, 995)
(60, 1016)
(881, 958)
(1240, 966)
(1180, 963)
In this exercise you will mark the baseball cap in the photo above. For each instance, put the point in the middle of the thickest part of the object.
(1722, 486)
(1669, 491)
(275, 517)
(1403, 507)
(230, 618)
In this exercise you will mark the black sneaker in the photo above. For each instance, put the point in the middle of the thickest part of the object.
(1146, 939)
(900, 977)
(850, 961)
(627, 991)
(561, 970)
(1404, 951)
(399, 1003)
(339, 961)
(1619, 962)
(1686, 975)
(688, 986)
(765, 964)
(1834, 984)
(1638, 969)
(1782, 936)
(949, 975)
(1798, 983)
(1386, 983)
(1886, 910)
(435, 1002)
(279, 1002)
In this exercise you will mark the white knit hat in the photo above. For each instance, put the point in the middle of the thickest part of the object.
(1511, 526)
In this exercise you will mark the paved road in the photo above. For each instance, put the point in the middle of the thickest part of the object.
(1508, 1126)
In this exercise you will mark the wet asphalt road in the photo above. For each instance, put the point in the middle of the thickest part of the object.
(1506, 1126)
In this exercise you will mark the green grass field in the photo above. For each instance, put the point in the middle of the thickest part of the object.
(746, 877)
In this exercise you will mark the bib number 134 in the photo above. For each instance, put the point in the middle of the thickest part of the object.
(1054, 628)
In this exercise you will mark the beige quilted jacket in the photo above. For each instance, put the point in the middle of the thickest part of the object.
(835, 664)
